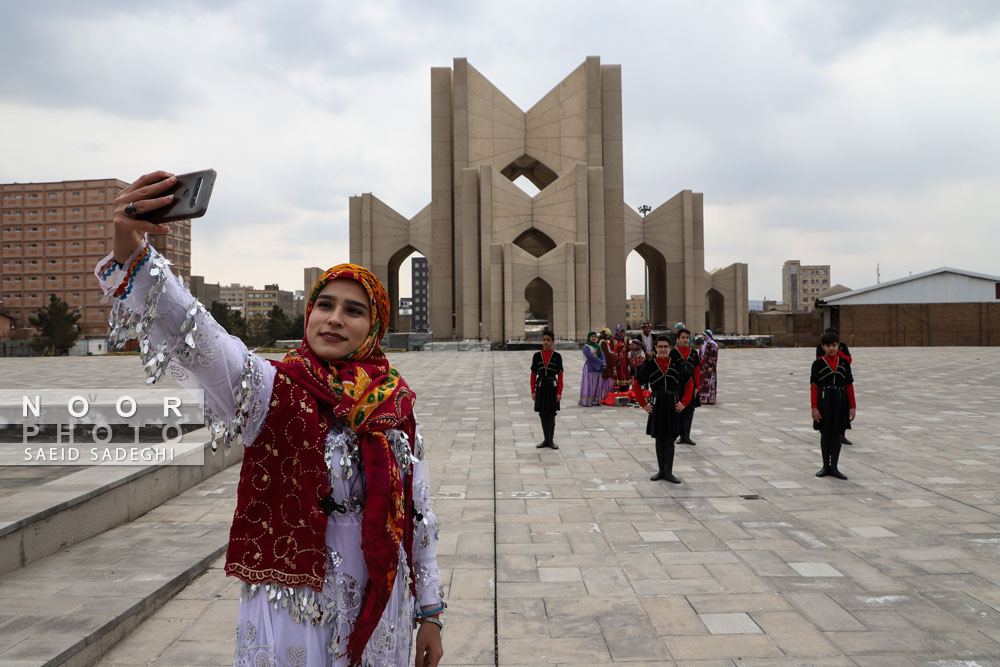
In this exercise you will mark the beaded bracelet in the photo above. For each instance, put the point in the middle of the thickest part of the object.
(433, 611)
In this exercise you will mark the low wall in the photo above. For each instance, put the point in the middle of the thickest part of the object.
(920, 324)
(787, 329)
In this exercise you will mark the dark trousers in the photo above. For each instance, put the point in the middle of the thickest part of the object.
(684, 420)
(829, 445)
(548, 426)
(665, 455)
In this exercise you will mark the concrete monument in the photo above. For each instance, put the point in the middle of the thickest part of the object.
(494, 252)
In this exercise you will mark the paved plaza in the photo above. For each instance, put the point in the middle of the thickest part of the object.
(573, 557)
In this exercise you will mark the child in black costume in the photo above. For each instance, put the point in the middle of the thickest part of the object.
(683, 353)
(833, 404)
(670, 393)
(547, 386)
(844, 353)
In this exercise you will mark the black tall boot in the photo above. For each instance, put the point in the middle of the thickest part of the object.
(668, 462)
(835, 444)
(542, 417)
(660, 446)
(685, 419)
(824, 448)
(550, 432)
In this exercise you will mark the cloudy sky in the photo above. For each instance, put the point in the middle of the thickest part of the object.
(856, 134)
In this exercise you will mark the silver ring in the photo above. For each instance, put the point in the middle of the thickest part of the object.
(131, 210)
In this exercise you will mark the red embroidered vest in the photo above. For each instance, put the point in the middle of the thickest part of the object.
(279, 531)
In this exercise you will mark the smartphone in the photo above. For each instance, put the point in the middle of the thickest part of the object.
(191, 195)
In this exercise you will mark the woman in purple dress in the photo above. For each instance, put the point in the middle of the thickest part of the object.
(590, 385)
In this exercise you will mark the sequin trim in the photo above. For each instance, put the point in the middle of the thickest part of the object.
(126, 324)
(303, 605)
(247, 411)
(400, 444)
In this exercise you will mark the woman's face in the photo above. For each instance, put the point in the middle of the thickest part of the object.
(340, 319)
(592, 338)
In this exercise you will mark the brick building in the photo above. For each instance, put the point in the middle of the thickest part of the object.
(943, 306)
(51, 237)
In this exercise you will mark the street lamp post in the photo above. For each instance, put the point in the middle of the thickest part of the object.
(644, 209)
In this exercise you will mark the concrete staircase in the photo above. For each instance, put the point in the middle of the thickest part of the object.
(85, 558)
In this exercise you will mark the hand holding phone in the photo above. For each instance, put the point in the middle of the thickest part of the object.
(192, 193)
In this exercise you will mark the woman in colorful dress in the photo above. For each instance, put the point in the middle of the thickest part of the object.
(709, 361)
(609, 374)
(623, 379)
(636, 356)
(333, 535)
(593, 365)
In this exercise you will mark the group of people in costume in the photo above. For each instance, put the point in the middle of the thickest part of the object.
(665, 368)
(333, 537)
(677, 379)
(611, 363)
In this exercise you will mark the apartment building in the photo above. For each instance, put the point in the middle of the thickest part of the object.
(801, 284)
(51, 237)
(635, 311)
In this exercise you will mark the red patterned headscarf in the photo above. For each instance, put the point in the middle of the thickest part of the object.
(369, 397)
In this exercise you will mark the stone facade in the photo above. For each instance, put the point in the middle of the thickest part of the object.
(495, 252)
(727, 299)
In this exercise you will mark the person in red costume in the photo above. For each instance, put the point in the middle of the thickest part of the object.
(333, 535)
(831, 388)
(670, 392)
(547, 387)
(844, 353)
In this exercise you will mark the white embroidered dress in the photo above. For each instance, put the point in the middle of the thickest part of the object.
(277, 625)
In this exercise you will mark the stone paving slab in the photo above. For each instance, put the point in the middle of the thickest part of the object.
(576, 558)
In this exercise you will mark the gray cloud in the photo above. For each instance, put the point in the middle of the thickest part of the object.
(875, 119)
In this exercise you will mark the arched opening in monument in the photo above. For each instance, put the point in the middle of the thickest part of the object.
(646, 285)
(408, 275)
(715, 316)
(538, 309)
(527, 166)
(535, 242)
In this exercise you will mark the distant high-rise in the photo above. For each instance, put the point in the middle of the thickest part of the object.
(419, 282)
(801, 284)
(51, 237)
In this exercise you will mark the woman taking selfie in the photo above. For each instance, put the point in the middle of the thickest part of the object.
(333, 535)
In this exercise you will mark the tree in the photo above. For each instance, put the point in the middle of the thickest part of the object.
(230, 319)
(57, 328)
(237, 325)
(220, 313)
(297, 329)
(256, 331)
(278, 325)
